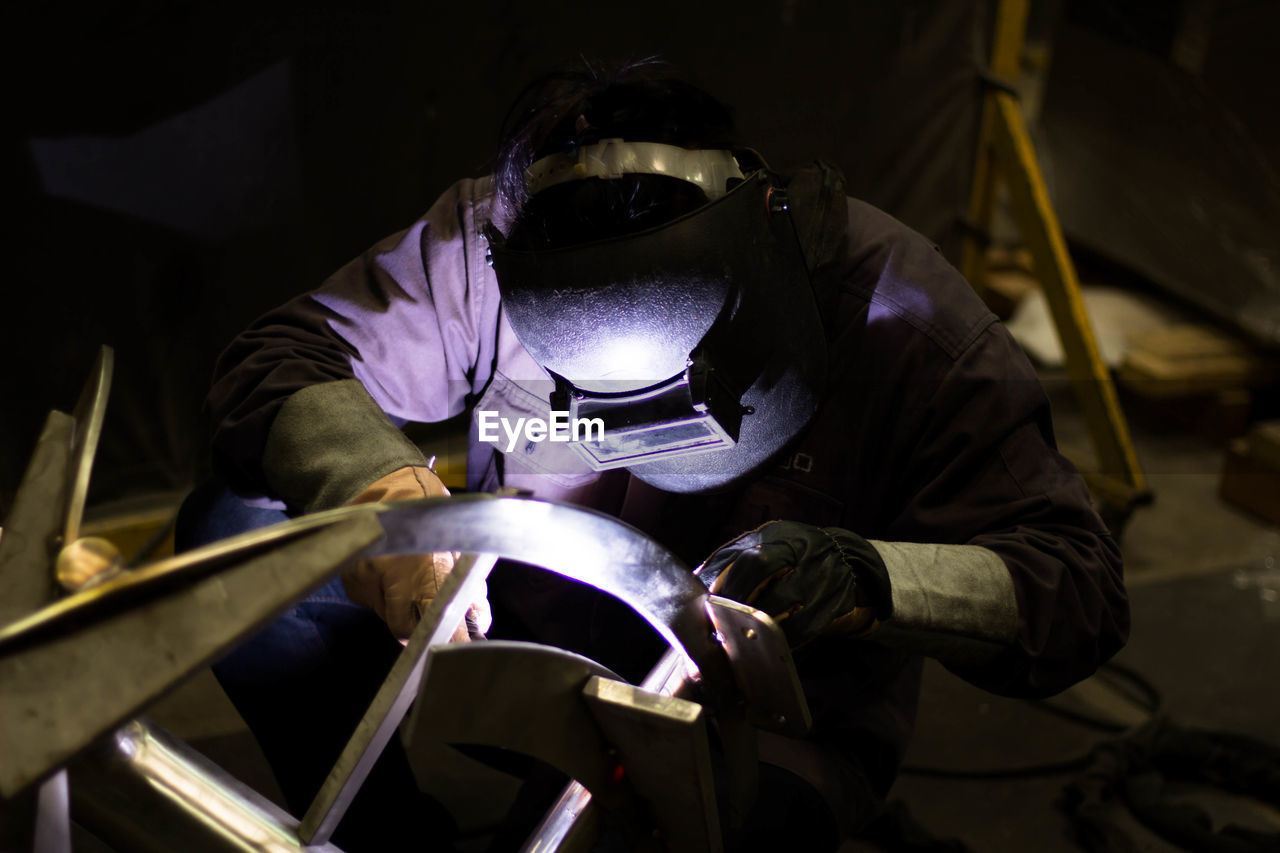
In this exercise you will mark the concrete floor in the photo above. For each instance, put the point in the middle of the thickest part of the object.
(1204, 582)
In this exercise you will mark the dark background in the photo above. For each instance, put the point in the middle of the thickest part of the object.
(179, 168)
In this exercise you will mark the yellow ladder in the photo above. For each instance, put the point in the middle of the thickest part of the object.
(1005, 153)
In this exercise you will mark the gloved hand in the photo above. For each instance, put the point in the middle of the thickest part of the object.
(400, 588)
(811, 580)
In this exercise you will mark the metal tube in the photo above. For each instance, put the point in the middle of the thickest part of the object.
(144, 790)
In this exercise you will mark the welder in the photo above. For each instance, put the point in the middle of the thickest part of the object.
(797, 392)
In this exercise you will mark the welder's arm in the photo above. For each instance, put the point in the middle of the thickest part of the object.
(956, 602)
(300, 401)
(1024, 593)
(1019, 589)
(399, 331)
(331, 445)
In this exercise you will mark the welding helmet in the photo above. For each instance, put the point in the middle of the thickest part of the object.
(697, 342)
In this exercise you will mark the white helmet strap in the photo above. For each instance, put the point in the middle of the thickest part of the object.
(710, 169)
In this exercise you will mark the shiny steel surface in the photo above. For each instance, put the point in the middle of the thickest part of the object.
(53, 818)
(570, 825)
(110, 630)
(580, 544)
(144, 790)
(73, 670)
(464, 584)
(762, 666)
(584, 545)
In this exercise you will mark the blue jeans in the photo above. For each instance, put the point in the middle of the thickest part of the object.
(303, 683)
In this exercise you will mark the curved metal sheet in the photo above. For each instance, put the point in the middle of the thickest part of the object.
(581, 544)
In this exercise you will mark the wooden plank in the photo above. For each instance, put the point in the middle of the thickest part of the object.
(1193, 360)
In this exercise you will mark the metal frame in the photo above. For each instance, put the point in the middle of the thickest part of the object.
(76, 670)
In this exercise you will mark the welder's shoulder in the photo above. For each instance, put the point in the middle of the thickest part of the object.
(443, 248)
(462, 210)
(907, 282)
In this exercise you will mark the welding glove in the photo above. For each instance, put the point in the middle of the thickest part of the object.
(400, 588)
(811, 580)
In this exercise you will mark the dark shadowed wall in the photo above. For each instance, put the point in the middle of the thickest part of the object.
(180, 168)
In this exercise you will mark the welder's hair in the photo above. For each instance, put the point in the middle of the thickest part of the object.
(580, 104)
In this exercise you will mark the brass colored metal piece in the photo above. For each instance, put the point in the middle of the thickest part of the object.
(122, 591)
(89, 413)
(87, 560)
(73, 670)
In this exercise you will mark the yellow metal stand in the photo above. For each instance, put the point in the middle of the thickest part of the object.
(1005, 153)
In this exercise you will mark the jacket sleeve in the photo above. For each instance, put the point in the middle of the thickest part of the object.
(300, 401)
(1020, 589)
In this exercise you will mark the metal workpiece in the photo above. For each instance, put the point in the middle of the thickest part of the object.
(126, 591)
(38, 819)
(76, 684)
(72, 671)
(773, 699)
(760, 658)
(661, 742)
(570, 826)
(35, 521)
(466, 698)
(90, 411)
(141, 789)
(49, 504)
(464, 584)
(581, 544)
